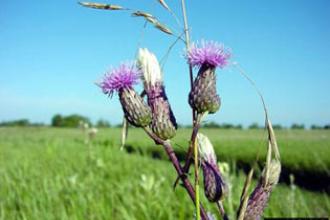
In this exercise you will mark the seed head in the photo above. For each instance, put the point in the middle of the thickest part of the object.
(149, 66)
(163, 120)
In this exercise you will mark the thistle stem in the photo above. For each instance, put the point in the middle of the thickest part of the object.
(198, 214)
(190, 151)
(185, 181)
(189, 154)
(124, 133)
(222, 210)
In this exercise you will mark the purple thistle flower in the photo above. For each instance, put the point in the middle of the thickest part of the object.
(208, 52)
(124, 76)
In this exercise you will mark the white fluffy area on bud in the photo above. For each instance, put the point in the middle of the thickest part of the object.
(205, 148)
(148, 64)
(274, 172)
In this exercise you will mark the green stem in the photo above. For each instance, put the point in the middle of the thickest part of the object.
(185, 181)
(198, 214)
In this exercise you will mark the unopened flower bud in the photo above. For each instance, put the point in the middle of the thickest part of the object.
(207, 56)
(136, 111)
(205, 148)
(259, 197)
(121, 80)
(215, 187)
(163, 121)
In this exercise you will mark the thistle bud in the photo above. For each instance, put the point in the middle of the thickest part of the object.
(260, 195)
(163, 121)
(136, 111)
(121, 80)
(203, 96)
(215, 187)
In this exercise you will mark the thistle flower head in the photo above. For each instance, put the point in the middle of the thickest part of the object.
(208, 53)
(205, 148)
(124, 76)
(149, 66)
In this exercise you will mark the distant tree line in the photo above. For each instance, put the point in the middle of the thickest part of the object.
(294, 126)
(213, 124)
(68, 121)
(74, 120)
(57, 120)
(20, 122)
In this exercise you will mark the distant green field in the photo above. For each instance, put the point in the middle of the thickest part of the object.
(50, 174)
(304, 153)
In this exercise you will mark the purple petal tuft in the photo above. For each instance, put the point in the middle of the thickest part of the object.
(208, 52)
(124, 76)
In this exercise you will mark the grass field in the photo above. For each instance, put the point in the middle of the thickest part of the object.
(305, 154)
(50, 173)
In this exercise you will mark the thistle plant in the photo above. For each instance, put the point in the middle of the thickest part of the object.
(153, 113)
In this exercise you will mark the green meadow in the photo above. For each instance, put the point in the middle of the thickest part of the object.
(48, 173)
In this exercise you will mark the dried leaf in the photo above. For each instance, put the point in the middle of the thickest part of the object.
(268, 160)
(149, 17)
(152, 19)
(163, 28)
(163, 3)
(101, 6)
(272, 139)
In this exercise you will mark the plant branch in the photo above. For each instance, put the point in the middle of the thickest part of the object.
(185, 181)
(222, 210)
(189, 154)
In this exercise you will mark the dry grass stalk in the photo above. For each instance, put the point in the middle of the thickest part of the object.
(142, 14)
(244, 196)
(153, 20)
(163, 28)
(271, 172)
(101, 6)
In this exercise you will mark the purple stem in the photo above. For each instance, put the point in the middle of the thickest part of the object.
(186, 183)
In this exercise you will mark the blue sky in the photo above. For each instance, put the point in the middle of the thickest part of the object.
(52, 52)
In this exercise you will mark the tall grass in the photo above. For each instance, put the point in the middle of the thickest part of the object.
(46, 174)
